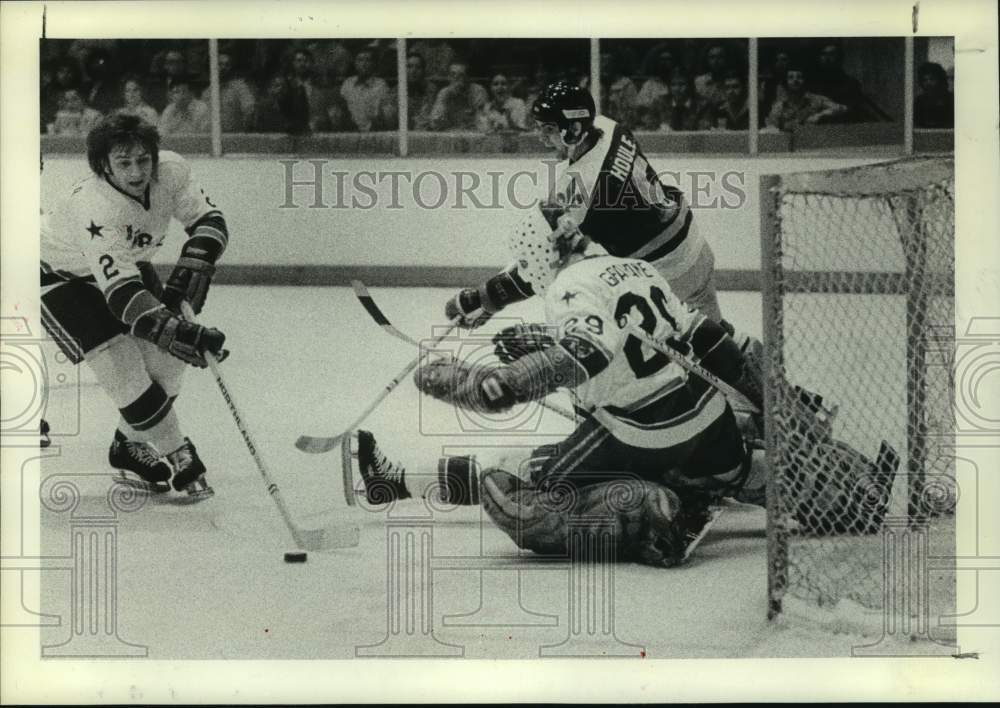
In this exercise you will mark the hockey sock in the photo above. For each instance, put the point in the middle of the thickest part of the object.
(458, 480)
(161, 429)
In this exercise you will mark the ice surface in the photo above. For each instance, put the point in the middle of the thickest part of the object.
(208, 581)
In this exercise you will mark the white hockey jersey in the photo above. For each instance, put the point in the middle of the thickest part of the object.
(643, 398)
(100, 232)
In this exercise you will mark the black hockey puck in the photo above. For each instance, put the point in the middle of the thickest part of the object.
(295, 557)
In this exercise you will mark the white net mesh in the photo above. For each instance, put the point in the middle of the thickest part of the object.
(859, 308)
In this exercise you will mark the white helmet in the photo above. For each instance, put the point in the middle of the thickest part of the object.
(541, 243)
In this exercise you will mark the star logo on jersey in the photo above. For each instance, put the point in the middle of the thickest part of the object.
(568, 296)
(95, 231)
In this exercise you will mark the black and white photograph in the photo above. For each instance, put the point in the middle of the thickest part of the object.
(615, 352)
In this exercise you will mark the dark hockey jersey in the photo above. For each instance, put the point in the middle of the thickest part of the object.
(619, 200)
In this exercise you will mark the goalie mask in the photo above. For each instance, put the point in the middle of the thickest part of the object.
(541, 243)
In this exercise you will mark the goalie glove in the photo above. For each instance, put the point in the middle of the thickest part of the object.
(516, 341)
(185, 340)
(639, 517)
(476, 388)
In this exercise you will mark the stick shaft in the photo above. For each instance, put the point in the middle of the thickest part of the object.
(389, 387)
(697, 369)
(234, 411)
(375, 312)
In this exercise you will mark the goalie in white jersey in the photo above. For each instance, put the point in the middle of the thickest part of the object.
(653, 428)
(102, 302)
(657, 446)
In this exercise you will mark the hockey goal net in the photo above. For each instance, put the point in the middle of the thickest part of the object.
(858, 271)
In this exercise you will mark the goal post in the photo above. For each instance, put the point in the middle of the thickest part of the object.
(858, 308)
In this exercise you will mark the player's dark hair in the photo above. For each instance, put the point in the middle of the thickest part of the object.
(120, 130)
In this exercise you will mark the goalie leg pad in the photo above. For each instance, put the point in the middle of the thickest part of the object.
(640, 517)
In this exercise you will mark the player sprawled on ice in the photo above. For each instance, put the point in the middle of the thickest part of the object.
(661, 446)
(607, 185)
(104, 304)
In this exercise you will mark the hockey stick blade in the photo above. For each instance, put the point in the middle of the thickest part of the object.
(328, 538)
(308, 539)
(315, 445)
(714, 513)
(375, 312)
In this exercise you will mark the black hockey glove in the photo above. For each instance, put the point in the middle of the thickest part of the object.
(188, 281)
(467, 307)
(185, 340)
(516, 341)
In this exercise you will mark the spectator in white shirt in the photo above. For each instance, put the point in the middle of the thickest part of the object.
(368, 97)
(459, 102)
(655, 88)
(502, 111)
(185, 114)
(74, 116)
(237, 100)
(134, 104)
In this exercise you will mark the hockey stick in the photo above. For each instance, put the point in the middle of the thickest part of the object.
(714, 513)
(368, 302)
(320, 539)
(317, 445)
(675, 356)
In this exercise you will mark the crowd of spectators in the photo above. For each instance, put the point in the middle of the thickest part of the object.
(301, 87)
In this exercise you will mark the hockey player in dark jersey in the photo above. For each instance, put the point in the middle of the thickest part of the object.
(606, 184)
(609, 188)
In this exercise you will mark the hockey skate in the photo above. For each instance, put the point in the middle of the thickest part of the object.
(138, 465)
(384, 481)
(189, 473)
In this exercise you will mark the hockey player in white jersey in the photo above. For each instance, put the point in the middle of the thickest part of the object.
(667, 441)
(657, 446)
(102, 303)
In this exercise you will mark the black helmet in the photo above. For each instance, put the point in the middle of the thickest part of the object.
(570, 107)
